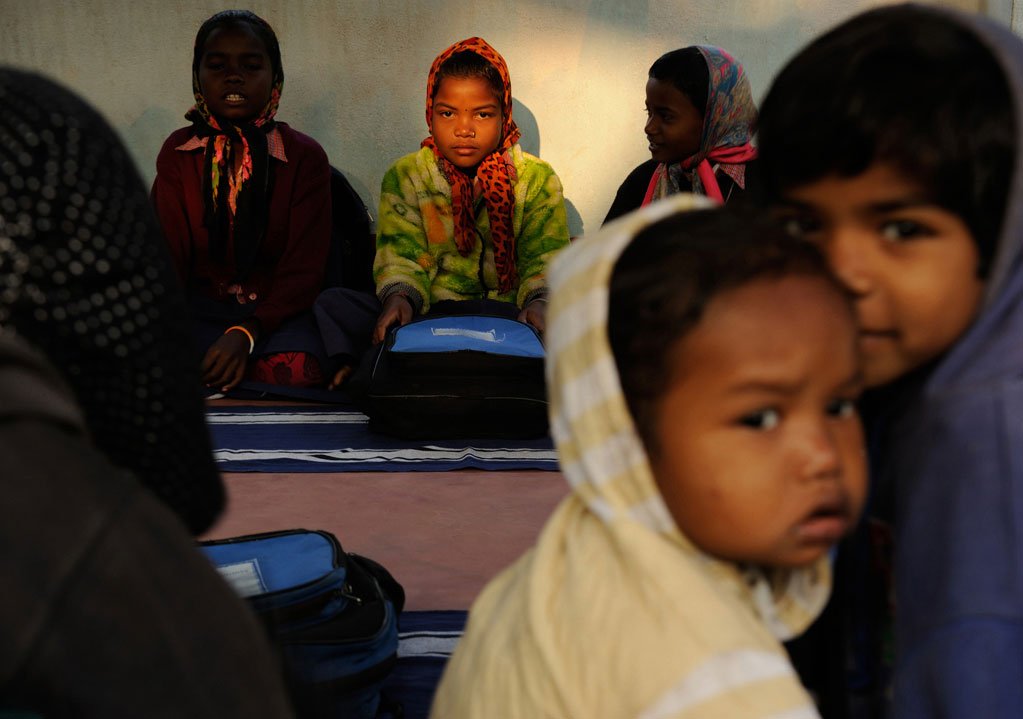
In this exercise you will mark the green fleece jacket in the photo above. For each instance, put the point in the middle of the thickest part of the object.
(416, 251)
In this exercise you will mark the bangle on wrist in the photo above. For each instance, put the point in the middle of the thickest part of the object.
(252, 340)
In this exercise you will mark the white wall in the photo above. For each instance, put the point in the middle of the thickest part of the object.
(356, 71)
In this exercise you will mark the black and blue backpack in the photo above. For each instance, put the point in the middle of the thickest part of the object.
(457, 376)
(331, 615)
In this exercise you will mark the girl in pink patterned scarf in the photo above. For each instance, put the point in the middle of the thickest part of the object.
(700, 118)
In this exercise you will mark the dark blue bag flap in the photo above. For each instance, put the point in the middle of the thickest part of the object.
(492, 335)
(274, 562)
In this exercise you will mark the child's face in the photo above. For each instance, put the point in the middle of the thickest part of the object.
(911, 265)
(467, 121)
(235, 73)
(761, 455)
(674, 126)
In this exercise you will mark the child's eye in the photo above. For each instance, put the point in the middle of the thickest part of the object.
(254, 67)
(763, 419)
(841, 408)
(445, 113)
(899, 230)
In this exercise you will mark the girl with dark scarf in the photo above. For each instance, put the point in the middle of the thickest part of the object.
(85, 278)
(244, 202)
(700, 118)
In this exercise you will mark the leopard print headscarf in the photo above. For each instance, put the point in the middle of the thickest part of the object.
(495, 176)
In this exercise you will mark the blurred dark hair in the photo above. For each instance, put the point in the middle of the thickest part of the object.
(666, 277)
(905, 86)
(687, 70)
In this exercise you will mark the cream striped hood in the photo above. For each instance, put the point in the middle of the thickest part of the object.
(614, 613)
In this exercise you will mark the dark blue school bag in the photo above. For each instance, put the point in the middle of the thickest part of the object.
(457, 376)
(331, 615)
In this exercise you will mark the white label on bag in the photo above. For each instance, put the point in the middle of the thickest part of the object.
(488, 336)
(244, 577)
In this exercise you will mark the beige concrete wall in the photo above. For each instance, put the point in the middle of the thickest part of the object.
(356, 70)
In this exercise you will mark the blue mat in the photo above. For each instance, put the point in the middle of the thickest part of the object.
(426, 640)
(319, 439)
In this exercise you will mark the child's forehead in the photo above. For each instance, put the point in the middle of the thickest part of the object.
(785, 327)
(475, 87)
(770, 297)
(879, 184)
(665, 94)
(235, 36)
(663, 88)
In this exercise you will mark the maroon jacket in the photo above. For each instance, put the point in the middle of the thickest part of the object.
(288, 272)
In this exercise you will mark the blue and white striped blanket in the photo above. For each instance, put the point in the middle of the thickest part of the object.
(425, 642)
(315, 438)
